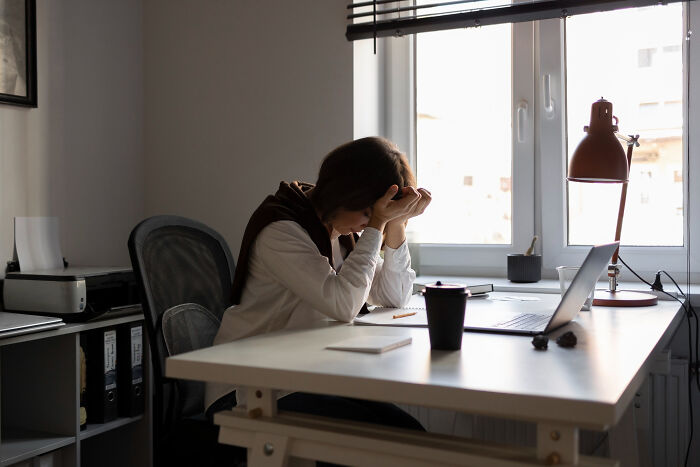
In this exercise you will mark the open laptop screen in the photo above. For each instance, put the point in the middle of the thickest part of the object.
(582, 284)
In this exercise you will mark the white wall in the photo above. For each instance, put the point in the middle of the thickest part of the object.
(239, 96)
(79, 155)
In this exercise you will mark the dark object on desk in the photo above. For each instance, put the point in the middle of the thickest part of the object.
(177, 262)
(101, 363)
(540, 342)
(445, 305)
(76, 293)
(568, 339)
(130, 369)
(524, 268)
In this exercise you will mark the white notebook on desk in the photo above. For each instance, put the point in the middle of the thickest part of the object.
(371, 344)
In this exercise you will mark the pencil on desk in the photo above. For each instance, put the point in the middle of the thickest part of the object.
(404, 315)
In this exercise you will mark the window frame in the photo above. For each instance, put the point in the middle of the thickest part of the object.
(552, 155)
(400, 126)
(539, 161)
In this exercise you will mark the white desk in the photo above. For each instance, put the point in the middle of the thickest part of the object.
(589, 386)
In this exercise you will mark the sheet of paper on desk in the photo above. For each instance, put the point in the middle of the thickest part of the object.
(380, 316)
(385, 317)
(37, 243)
(371, 344)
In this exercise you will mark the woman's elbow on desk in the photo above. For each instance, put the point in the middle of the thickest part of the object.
(395, 295)
(345, 309)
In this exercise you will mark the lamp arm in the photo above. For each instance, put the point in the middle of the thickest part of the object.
(632, 141)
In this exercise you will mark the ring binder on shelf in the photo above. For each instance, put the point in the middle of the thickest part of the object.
(102, 375)
(130, 369)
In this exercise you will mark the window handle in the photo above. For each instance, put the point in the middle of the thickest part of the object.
(547, 100)
(521, 114)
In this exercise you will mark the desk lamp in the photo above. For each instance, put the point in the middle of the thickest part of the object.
(599, 158)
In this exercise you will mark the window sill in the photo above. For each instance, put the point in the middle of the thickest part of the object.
(501, 284)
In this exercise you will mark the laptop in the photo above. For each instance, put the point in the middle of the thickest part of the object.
(572, 301)
(13, 324)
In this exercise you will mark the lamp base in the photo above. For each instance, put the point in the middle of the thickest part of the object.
(623, 298)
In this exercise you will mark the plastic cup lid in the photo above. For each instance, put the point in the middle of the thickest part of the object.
(445, 289)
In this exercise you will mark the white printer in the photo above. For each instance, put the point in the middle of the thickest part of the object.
(73, 293)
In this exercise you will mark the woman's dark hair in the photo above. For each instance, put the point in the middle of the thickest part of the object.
(355, 175)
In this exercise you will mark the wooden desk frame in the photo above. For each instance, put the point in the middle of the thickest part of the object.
(272, 437)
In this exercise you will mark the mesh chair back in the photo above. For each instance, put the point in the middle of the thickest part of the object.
(177, 260)
(189, 327)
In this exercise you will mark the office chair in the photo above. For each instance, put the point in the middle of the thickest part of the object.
(187, 327)
(184, 271)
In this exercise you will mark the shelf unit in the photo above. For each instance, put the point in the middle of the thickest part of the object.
(40, 404)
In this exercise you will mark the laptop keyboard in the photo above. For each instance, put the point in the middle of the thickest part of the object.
(526, 322)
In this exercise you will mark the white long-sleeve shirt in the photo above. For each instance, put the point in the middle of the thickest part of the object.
(291, 285)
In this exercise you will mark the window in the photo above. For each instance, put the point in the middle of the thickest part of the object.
(458, 70)
(650, 101)
(499, 109)
(647, 103)
(490, 70)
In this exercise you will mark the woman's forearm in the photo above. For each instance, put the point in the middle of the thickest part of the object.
(395, 233)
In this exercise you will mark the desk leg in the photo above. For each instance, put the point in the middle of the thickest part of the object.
(261, 402)
(557, 444)
(267, 450)
(623, 440)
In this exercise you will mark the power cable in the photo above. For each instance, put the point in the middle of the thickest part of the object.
(692, 362)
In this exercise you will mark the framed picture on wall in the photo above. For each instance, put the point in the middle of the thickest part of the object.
(18, 52)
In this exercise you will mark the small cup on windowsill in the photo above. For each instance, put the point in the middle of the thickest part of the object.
(527, 267)
(524, 268)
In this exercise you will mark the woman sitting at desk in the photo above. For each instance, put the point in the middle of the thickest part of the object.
(301, 262)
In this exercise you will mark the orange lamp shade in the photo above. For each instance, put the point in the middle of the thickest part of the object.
(599, 157)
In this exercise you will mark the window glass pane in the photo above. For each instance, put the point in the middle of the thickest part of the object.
(464, 148)
(637, 65)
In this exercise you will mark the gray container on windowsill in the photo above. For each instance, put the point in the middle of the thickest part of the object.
(522, 268)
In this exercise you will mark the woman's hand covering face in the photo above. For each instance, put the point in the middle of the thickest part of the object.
(412, 203)
(419, 207)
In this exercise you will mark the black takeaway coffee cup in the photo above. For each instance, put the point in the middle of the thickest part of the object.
(445, 305)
